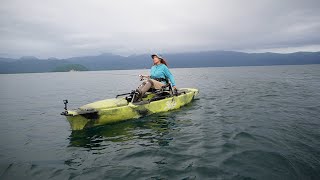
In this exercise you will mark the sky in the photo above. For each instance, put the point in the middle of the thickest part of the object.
(68, 28)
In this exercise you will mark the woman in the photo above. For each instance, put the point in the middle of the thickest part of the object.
(158, 75)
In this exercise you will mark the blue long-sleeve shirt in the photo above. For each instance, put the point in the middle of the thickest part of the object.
(162, 71)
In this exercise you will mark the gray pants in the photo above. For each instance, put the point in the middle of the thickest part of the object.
(146, 85)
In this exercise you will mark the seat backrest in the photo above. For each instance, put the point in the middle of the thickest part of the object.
(169, 86)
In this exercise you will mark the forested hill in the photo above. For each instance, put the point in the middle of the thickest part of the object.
(178, 60)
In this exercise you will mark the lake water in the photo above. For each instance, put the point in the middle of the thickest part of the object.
(247, 123)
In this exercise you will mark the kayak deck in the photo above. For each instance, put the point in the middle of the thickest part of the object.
(119, 109)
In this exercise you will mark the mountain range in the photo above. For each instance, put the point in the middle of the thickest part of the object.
(107, 61)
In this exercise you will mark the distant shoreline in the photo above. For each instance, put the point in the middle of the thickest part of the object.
(170, 68)
(180, 60)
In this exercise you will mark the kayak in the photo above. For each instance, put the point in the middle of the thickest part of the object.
(122, 108)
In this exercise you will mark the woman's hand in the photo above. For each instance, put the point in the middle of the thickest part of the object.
(143, 76)
(175, 90)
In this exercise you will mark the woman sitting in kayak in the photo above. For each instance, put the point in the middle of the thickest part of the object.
(158, 75)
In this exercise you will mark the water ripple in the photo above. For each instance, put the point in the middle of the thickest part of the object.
(247, 123)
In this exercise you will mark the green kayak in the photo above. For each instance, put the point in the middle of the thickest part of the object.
(122, 108)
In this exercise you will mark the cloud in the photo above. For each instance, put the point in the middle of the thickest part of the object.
(73, 28)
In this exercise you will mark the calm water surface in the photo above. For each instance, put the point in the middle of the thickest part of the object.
(247, 123)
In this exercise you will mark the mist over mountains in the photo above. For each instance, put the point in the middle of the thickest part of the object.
(106, 61)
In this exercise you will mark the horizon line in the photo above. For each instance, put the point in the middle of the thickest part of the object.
(204, 51)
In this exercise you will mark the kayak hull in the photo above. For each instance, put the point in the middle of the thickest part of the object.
(116, 110)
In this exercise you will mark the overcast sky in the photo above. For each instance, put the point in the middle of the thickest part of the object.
(66, 28)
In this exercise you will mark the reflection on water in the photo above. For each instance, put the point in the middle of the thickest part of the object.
(148, 131)
(131, 146)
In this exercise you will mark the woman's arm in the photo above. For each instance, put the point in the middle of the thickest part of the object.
(170, 76)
